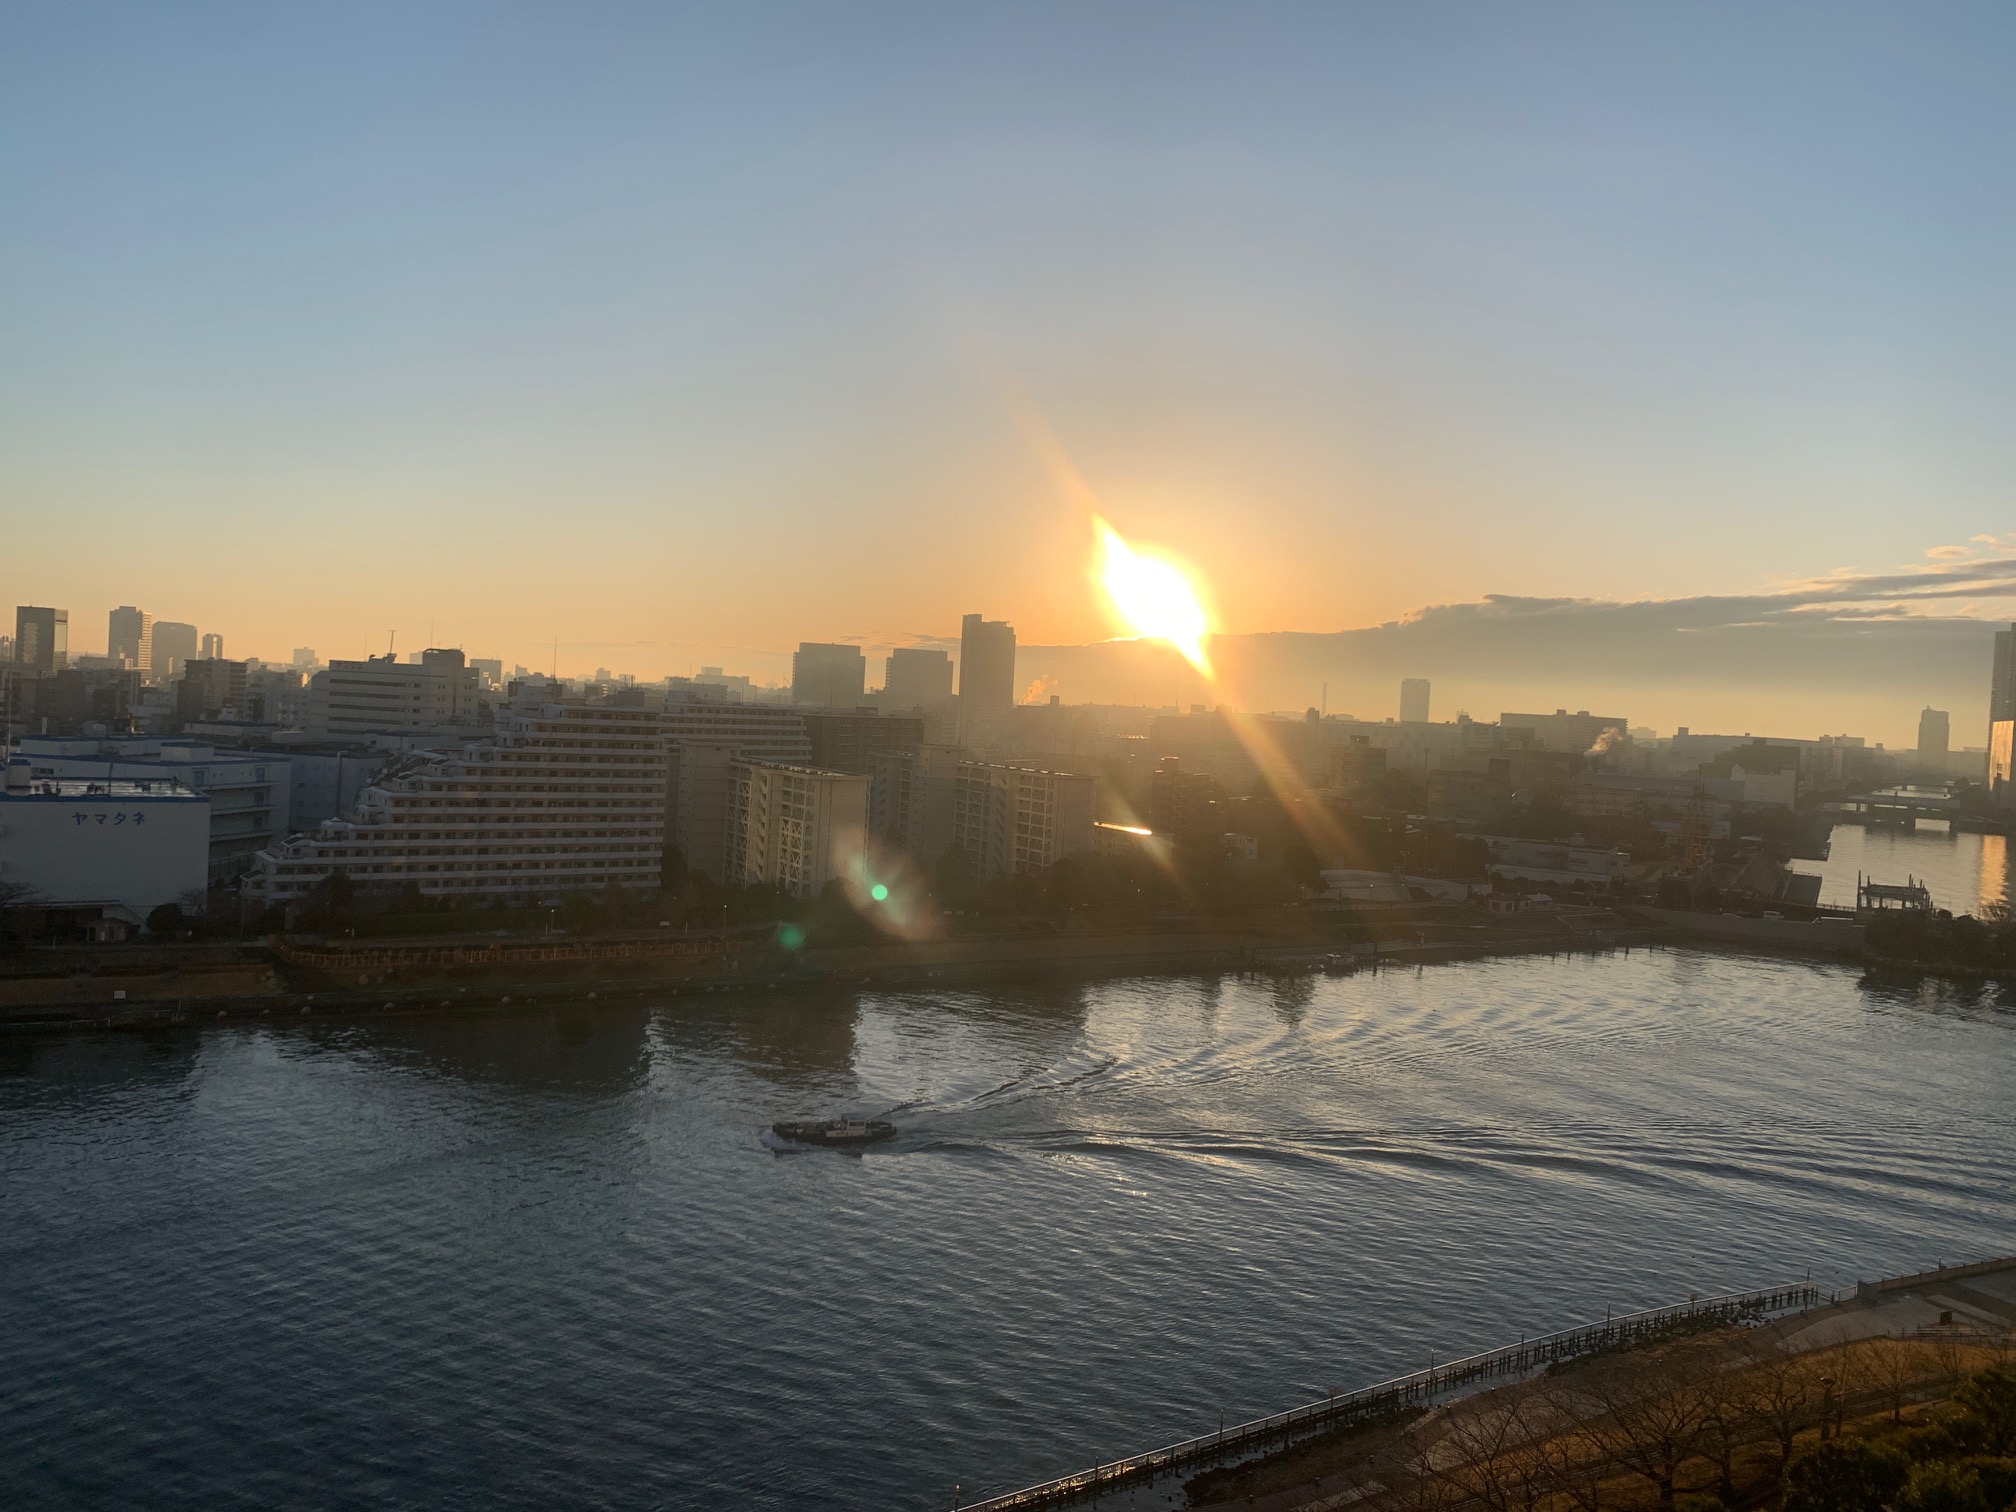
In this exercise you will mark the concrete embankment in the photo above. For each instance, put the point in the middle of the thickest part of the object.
(131, 989)
(1825, 936)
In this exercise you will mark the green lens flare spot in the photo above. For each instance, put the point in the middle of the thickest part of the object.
(879, 893)
(791, 937)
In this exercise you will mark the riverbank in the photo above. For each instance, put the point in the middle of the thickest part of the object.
(1759, 1373)
(129, 987)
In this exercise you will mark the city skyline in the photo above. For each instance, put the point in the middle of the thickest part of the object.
(835, 292)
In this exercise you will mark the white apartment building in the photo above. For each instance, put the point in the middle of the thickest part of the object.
(796, 827)
(705, 740)
(441, 691)
(564, 798)
(129, 846)
(1017, 821)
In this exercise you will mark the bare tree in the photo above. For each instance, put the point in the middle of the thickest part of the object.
(1488, 1456)
(1573, 1461)
(1781, 1388)
(1889, 1367)
(1652, 1413)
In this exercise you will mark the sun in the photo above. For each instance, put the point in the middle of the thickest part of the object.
(1153, 597)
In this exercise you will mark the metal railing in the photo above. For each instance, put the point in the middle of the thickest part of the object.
(396, 957)
(1407, 1390)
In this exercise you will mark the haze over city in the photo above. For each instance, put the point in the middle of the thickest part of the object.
(555, 336)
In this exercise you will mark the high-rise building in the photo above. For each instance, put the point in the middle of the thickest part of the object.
(796, 828)
(2002, 721)
(986, 672)
(565, 798)
(830, 677)
(41, 638)
(1934, 738)
(174, 644)
(383, 693)
(1413, 700)
(916, 677)
(1017, 821)
(2002, 692)
(304, 656)
(213, 646)
(129, 638)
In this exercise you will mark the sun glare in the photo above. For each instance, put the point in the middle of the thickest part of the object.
(1153, 597)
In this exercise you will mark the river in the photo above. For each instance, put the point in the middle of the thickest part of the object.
(540, 1258)
(1963, 872)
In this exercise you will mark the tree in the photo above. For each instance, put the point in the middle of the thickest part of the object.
(1888, 1366)
(166, 921)
(1488, 1457)
(1780, 1388)
(1300, 866)
(1986, 1421)
(1943, 1486)
(1845, 1475)
(1654, 1413)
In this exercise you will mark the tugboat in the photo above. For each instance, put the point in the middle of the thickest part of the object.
(843, 1133)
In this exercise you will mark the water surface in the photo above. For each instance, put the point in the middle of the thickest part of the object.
(536, 1259)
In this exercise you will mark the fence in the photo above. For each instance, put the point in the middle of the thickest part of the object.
(397, 957)
(1405, 1391)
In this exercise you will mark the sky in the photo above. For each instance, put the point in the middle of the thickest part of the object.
(679, 335)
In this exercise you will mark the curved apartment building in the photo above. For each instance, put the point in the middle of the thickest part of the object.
(564, 798)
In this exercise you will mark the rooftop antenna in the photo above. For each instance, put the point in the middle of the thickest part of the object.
(391, 644)
(556, 658)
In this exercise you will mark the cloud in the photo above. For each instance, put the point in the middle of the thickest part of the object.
(1949, 553)
(1859, 651)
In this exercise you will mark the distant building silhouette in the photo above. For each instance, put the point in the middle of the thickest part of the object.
(174, 647)
(828, 676)
(1413, 700)
(41, 638)
(986, 671)
(1934, 738)
(1562, 731)
(213, 647)
(916, 677)
(129, 638)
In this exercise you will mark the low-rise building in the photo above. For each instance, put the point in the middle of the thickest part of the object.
(563, 798)
(124, 845)
(797, 828)
(246, 789)
(439, 692)
(1555, 864)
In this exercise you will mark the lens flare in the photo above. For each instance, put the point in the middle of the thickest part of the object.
(1153, 597)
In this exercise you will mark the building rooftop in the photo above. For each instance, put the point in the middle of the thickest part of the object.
(70, 789)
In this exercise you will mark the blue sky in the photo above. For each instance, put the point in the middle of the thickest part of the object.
(685, 334)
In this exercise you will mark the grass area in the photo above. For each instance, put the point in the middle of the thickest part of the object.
(1722, 1423)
